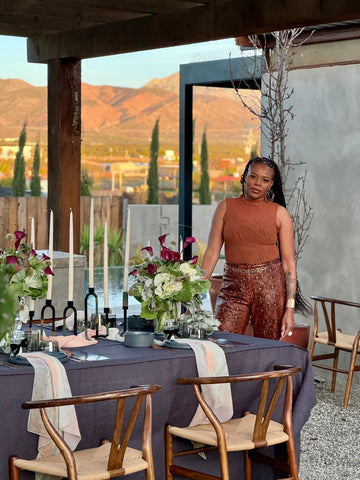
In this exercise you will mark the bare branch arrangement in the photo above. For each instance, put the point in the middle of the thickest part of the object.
(275, 110)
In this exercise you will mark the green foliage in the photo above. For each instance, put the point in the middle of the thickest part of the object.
(204, 191)
(19, 184)
(153, 177)
(115, 241)
(35, 186)
(9, 305)
(86, 183)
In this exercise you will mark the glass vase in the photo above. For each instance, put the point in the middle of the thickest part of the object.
(165, 316)
(21, 317)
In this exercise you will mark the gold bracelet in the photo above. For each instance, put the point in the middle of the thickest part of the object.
(290, 303)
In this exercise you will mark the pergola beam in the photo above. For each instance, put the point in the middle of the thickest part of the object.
(197, 24)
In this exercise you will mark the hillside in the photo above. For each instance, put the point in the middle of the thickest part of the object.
(127, 114)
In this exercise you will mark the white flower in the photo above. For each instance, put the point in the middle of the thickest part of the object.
(189, 271)
(165, 285)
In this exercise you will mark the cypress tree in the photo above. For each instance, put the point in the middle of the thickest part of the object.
(153, 177)
(204, 191)
(35, 186)
(19, 184)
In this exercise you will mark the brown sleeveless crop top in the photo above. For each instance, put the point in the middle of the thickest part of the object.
(250, 232)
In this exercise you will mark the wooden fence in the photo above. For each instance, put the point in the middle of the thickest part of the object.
(16, 213)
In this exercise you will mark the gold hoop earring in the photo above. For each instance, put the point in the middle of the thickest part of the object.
(270, 195)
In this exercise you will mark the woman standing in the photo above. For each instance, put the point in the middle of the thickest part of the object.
(259, 281)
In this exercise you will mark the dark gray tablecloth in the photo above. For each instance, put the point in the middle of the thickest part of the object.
(135, 366)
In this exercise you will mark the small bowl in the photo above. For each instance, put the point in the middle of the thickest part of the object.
(134, 338)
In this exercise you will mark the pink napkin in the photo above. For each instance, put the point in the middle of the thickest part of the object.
(69, 341)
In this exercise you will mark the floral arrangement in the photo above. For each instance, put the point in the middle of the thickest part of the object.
(162, 283)
(27, 272)
(201, 318)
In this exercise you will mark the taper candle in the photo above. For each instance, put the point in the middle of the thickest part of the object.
(32, 240)
(106, 269)
(91, 245)
(71, 258)
(51, 253)
(127, 253)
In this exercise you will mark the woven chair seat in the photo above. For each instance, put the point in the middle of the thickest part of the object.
(342, 340)
(238, 433)
(91, 464)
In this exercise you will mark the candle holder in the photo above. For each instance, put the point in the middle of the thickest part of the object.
(70, 306)
(97, 324)
(48, 304)
(31, 316)
(125, 308)
(91, 293)
(107, 311)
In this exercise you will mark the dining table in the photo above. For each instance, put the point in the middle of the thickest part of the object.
(110, 365)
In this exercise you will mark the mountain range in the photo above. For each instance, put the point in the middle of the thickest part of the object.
(128, 114)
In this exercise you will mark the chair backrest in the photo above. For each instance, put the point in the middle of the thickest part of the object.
(121, 433)
(329, 316)
(271, 388)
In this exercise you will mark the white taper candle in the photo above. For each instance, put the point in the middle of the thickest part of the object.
(106, 270)
(51, 253)
(127, 253)
(91, 245)
(71, 258)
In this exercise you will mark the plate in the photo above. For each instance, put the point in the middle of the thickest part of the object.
(19, 360)
(177, 345)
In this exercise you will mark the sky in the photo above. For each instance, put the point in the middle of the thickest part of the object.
(125, 70)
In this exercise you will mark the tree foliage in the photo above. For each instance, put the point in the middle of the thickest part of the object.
(19, 184)
(35, 186)
(86, 183)
(153, 177)
(204, 191)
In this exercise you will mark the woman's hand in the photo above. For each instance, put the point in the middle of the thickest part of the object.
(287, 323)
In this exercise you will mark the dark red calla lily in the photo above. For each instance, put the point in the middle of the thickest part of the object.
(33, 253)
(167, 254)
(151, 268)
(176, 256)
(149, 250)
(44, 257)
(48, 271)
(133, 272)
(11, 259)
(162, 239)
(194, 259)
(189, 240)
(19, 236)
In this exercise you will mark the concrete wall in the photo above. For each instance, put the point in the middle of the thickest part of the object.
(148, 222)
(325, 134)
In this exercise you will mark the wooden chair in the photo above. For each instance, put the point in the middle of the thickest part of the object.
(334, 338)
(111, 459)
(246, 433)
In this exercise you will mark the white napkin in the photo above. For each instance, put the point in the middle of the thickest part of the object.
(211, 362)
(50, 381)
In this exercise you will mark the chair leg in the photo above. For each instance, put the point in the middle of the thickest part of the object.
(169, 457)
(248, 465)
(290, 447)
(350, 377)
(14, 472)
(335, 365)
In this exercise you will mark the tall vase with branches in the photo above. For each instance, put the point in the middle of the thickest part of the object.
(275, 109)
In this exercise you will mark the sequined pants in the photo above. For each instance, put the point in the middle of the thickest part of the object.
(254, 293)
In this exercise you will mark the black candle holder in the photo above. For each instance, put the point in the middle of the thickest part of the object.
(31, 317)
(125, 309)
(97, 322)
(91, 293)
(107, 311)
(48, 304)
(70, 306)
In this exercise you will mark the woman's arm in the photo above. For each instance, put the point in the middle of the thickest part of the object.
(215, 241)
(287, 252)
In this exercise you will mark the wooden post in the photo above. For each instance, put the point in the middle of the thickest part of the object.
(64, 141)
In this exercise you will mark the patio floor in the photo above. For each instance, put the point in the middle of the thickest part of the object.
(330, 440)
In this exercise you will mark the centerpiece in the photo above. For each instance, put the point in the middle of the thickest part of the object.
(25, 274)
(162, 283)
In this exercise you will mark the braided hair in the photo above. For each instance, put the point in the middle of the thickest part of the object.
(277, 181)
(301, 304)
